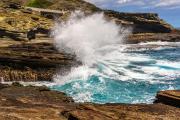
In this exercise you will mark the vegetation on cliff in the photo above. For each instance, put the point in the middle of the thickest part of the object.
(39, 3)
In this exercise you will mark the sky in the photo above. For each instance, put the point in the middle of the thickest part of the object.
(169, 10)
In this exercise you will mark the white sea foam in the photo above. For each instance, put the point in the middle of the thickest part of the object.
(76, 73)
(160, 43)
(84, 35)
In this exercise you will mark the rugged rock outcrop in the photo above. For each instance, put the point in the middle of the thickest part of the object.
(15, 23)
(170, 97)
(69, 5)
(32, 62)
(140, 22)
(39, 103)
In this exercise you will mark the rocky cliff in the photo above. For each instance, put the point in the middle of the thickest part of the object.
(70, 5)
(12, 9)
(140, 22)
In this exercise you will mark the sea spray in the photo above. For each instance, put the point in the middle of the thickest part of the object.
(85, 35)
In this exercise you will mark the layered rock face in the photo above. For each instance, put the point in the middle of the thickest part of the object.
(153, 37)
(32, 62)
(140, 22)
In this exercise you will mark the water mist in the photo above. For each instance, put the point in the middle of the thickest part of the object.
(84, 35)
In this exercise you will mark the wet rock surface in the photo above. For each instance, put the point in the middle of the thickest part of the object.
(39, 103)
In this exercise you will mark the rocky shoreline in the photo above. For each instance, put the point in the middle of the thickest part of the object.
(38, 60)
(18, 102)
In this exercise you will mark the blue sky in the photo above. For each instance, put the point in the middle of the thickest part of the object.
(169, 10)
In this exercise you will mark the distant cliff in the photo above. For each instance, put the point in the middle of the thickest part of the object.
(140, 22)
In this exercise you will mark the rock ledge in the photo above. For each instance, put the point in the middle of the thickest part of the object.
(169, 97)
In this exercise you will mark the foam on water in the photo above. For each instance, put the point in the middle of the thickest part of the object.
(122, 76)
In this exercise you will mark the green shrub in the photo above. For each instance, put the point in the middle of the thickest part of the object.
(39, 3)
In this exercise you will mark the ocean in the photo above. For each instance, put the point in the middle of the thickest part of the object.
(124, 74)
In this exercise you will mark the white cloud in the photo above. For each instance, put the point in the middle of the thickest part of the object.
(141, 3)
(163, 3)
(123, 1)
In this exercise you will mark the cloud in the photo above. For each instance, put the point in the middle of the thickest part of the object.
(170, 4)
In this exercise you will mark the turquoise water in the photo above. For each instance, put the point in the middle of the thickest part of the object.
(124, 76)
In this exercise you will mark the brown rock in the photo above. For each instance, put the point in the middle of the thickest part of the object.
(152, 37)
(169, 97)
(140, 22)
(39, 103)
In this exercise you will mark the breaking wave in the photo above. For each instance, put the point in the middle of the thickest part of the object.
(113, 72)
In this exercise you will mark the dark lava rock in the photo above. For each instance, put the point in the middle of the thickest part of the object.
(14, 5)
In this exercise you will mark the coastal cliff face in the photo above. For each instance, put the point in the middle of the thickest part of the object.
(12, 9)
(140, 22)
